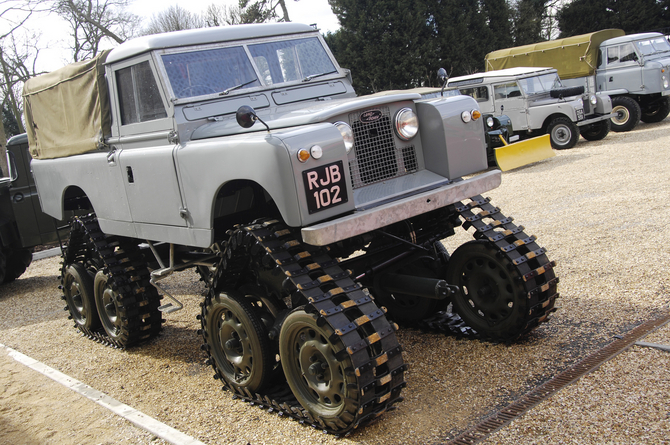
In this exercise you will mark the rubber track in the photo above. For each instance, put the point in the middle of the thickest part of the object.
(129, 276)
(380, 375)
(528, 258)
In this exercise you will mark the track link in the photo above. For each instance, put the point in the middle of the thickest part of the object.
(529, 260)
(368, 340)
(121, 260)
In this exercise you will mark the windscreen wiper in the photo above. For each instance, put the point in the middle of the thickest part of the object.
(228, 90)
(314, 76)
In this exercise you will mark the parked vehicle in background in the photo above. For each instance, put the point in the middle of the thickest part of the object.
(504, 149)
(23, 225)
(244, 152)
(634, 70)
(537, 103)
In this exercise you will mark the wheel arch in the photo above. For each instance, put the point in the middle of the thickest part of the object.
(551, 117)
(239, 201)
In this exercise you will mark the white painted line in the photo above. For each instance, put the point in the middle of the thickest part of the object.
(138, 418)
(653, 345)
(46, 253)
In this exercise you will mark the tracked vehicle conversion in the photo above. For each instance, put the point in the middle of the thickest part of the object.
(315, 217)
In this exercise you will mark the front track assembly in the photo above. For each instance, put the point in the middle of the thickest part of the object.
(517, 286)
(335, 318)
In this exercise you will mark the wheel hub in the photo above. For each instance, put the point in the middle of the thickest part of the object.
(621, 115)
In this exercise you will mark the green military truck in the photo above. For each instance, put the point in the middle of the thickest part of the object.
(23, 225)
(634, 70)
(312, 214)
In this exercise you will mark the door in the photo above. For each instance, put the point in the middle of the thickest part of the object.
(508, 99)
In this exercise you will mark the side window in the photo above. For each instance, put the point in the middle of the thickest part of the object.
(612, 55)
(481, 94)
(506, 90)
(627, 53)
(139, 98)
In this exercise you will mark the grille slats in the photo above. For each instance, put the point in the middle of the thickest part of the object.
(376, 156)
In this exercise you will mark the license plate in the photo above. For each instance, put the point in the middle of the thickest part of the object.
(325, 187)
(580, 114)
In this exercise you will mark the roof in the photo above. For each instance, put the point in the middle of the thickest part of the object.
(632, 38)
(575, 56)
(202, 36)
(508, 72)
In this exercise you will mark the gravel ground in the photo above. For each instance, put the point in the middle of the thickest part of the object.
(600, 211)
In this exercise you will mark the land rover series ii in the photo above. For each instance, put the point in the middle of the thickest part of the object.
(244, 152)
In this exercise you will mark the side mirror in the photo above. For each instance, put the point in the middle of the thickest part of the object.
(247, 117)
(443, 76)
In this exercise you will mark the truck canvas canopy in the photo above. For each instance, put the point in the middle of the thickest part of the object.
(573, 57)
(67, 110)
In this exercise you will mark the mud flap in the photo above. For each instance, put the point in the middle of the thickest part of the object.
(524, 152)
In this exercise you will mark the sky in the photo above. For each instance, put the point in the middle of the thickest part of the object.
(53, 31)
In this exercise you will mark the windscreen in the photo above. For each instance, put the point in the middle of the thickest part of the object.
(653, 46)
(540, 84)
(291, 60)
(197, 73)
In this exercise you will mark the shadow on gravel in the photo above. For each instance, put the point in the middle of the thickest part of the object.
(29, 301)
(174, 343)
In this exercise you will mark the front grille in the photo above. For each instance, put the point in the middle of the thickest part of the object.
(376, 156)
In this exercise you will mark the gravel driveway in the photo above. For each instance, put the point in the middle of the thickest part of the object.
(601, 211)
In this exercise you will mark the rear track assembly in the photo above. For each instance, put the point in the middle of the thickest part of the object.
(368, 341)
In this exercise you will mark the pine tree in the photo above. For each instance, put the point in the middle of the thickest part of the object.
(633, 16)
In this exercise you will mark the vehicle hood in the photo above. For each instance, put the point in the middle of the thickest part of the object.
(298, 114)
(660, 59)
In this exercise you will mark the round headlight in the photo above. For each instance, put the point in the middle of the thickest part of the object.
(466, 116)
(593, 99)
(316, 151)
(489, 122)
(347, 135)
(406, 124)
(665, 82)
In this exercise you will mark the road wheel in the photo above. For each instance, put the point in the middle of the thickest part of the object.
(626, 113)
(563, 133)
(313, 371)
(110, 307)
(657, 112)
(597, 131)
(78, 294)
(238, 341)
(492, 298)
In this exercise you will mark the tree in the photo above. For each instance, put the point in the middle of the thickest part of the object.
(528, 17)
(385, 43)
(9, 123)
(633, 16)
(220, 15)
(92, 22)
(174, 18)
(261, 11)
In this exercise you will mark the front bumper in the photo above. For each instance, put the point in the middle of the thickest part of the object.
(365, 221)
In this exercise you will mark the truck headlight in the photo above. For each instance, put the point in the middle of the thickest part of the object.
(406, 124)
(489, 122)
(471, 115)
(347, 135)
(593, 99)
(665, 81)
